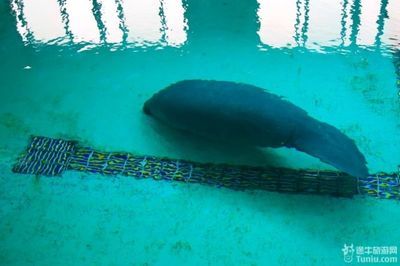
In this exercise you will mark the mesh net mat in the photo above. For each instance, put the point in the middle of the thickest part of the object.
(51, 157)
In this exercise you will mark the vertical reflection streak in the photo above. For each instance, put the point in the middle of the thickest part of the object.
(355, 17)
(96, 10)
(22, 24)
(383, 14)
(122, 23)
(304, 29)
(163, 20)
(346, 22)
(297, 24)
(343, 22)
(65, 19)
(16, 8)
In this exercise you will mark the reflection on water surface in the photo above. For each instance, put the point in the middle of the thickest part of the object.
(317, 25)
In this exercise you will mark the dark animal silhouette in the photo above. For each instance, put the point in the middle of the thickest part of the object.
(248, 115)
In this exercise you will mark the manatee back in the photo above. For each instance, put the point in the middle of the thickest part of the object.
(227, 111)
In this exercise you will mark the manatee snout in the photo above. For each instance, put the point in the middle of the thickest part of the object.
(147, 107)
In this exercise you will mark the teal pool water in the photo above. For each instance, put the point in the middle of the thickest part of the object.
(83, 69)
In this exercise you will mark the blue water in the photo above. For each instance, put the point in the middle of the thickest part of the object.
(83, 69)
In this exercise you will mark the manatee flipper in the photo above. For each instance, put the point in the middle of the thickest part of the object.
(248, 115)
(331, 146)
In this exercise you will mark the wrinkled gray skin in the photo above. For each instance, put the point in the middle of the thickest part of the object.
(248, 115)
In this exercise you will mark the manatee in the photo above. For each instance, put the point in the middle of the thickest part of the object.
(248, 115)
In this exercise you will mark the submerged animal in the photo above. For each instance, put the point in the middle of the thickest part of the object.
(248, 115)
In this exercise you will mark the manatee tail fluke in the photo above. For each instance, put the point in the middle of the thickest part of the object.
(331, 146)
